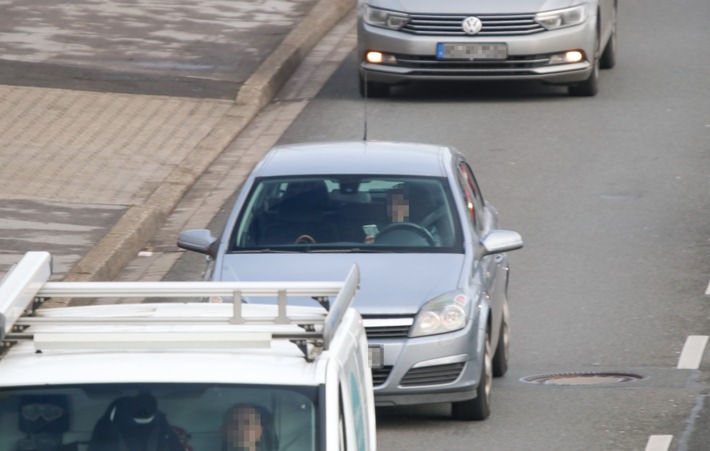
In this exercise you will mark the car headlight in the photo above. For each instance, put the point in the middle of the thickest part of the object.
(562, 18)
(446, 313)
(385, 19)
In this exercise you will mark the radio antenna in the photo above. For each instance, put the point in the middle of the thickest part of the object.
(364, 90)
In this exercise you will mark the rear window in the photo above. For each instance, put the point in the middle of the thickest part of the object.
(348, 213)
(161, 417)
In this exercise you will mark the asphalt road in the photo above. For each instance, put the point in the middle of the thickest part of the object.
(611, 196)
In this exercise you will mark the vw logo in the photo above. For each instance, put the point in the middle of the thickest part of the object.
(471, 25)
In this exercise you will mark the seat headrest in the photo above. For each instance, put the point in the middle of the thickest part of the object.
(139, 409)
(317, 189)
(421, 201)
(302, 207)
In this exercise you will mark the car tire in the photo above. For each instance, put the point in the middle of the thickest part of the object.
(478, 408)
(608, 58)
(374, 90)
(500, 358)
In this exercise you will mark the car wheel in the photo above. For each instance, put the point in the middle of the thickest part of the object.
(479, 408)
(500, 358)
(608, 58)
(590, 86)
(371, 89)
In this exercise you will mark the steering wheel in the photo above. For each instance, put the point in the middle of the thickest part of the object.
(409, 227)
(305, 239)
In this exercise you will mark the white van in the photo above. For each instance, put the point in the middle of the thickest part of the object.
(178, 375)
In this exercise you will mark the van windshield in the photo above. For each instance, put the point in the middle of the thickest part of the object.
(356, 213)
(158, 417)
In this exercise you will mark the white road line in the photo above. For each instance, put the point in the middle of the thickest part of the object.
(707, 290)
(692, 352)
(659, 443)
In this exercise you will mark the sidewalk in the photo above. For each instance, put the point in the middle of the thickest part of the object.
(90, 176)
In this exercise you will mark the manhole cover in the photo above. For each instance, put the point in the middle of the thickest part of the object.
(581, 378)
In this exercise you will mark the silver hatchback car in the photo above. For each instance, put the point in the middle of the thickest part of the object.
(553, 41)
(431, 254)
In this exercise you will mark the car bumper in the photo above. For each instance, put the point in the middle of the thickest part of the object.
(422, 370)
(528, 57)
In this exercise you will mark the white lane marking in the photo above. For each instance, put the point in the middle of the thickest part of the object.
(659, 443)
(707, 290)
(692, 352)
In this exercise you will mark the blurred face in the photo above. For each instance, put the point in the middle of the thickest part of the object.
(242, 428)
(397, 207)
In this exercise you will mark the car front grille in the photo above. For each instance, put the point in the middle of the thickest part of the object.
(388, 326)
(380, 375)
(493, 24)
(387, 331)
(431, 63)
(432, 375)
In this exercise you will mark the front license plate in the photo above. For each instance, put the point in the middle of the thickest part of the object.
(375, 357)
(463, 51)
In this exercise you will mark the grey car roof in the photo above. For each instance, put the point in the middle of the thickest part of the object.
(356, 157)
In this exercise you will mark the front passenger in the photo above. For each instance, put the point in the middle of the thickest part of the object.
(134, 424)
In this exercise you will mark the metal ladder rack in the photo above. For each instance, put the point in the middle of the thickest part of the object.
(26, 286)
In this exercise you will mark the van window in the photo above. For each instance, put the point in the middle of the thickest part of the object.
(184, 416)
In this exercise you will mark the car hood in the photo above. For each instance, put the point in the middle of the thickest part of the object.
(390, 284)
(468, 7)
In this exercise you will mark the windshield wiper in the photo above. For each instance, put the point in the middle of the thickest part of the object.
(311, 250)
(353, 250)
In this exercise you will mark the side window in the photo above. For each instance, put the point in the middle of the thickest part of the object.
(351, 421)
(359, 420)
(474, 200)
(342, 423)
(256, 213)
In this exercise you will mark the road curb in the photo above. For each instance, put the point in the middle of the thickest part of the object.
(128, 236)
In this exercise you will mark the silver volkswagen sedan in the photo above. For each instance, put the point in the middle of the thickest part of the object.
(562, 42)
(431, 253)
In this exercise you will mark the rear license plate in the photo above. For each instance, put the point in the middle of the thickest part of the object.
(463, 51)
(375, 357)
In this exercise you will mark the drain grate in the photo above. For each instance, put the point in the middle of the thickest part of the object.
(581, 378)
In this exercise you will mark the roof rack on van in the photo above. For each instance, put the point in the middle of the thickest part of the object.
(25, 287)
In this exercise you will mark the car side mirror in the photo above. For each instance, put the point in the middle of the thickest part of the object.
(497, 241)
(198, 240)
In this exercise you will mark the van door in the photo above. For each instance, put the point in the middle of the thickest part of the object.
(356, 403)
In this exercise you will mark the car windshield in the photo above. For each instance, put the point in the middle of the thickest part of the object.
(348, 213)
(166, 417)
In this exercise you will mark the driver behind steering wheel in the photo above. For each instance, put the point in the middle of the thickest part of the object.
(398, 211)
(398, 205)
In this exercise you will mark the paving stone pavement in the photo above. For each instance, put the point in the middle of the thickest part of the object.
(167, 47)
(88, 171)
